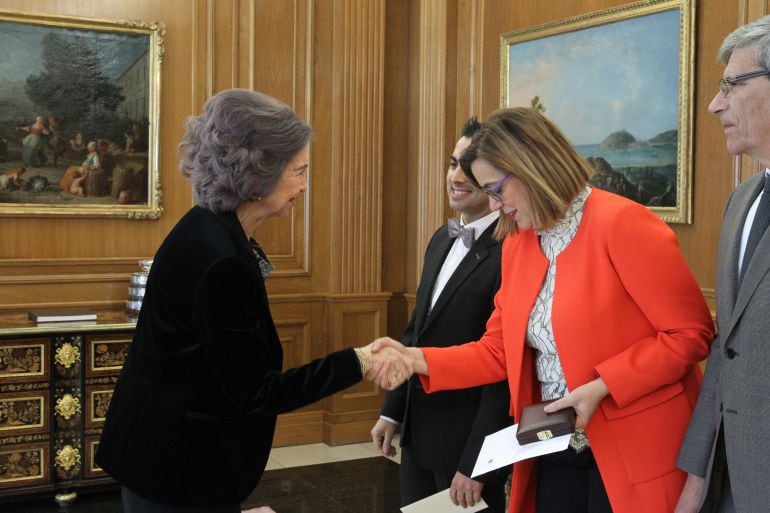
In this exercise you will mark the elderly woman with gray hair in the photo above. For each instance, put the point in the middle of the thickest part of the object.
(191, 421)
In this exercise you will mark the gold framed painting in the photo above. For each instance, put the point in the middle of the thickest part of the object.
(618, 82)
(79, 109)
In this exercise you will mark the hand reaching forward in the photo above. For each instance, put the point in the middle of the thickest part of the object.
(389, 366)
(585, 399)
(414, 357)
(382, 436)
(464, 491)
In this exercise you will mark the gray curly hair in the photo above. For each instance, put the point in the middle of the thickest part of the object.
(755, 34)
(238, 148)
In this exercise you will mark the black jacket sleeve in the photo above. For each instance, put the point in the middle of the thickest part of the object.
(242, 349)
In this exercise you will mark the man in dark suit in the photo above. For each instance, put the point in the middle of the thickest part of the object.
(441, 434)
(727, 447)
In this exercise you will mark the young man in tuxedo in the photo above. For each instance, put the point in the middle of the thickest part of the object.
(442, 433)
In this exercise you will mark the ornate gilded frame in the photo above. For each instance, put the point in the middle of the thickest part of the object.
(122, 122)
(667, 173)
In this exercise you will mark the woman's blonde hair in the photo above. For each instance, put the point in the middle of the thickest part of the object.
(522, 142)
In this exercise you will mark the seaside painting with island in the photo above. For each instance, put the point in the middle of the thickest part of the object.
(644, 171)
(614, 89)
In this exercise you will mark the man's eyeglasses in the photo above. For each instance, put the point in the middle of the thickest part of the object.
(493, 191)
(726, 84)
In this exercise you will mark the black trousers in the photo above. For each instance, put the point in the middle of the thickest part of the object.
(568, 482)
(133, 503)
(417, 482)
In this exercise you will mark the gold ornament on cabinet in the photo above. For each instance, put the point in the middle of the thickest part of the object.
(67, 355)
(68, 406)
(67, 457)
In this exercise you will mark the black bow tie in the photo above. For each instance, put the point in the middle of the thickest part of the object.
(456, 230)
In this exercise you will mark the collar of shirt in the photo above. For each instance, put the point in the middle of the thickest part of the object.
(457, 252)
(555, 239)
(750, 215)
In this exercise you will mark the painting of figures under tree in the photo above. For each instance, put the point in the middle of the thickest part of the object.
(79, 116)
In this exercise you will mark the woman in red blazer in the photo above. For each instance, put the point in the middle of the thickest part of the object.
(597, 309)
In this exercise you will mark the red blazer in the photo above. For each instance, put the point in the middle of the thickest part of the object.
(627, 308)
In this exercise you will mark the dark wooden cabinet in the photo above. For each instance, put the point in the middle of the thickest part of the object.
(56, 383)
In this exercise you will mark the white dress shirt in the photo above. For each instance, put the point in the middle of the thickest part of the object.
(458, 252)
(540, 337)
(747, 225)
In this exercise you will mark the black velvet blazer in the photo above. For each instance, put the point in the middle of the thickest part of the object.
(192, 418)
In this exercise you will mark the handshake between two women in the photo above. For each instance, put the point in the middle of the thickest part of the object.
(389, 363)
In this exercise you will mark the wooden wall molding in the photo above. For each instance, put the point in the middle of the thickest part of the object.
(248, 43)
(311, 326)
(88, 292)
(296, 341)
(411, 301)
(67, 266)
(100, 283)
(202, 48)
(431, 123)
(353, 320)
(470, 59)
(476, 99)
(357, 137)
(348, 428)
(222, 37)
(711, 300)
(53, 279)
(305, 427)
(278, 61)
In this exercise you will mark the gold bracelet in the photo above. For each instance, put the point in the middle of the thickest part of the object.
(364, 361)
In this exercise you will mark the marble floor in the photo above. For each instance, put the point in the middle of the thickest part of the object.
(313, 478)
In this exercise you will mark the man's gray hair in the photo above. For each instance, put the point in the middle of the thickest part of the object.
(756, 35)
(237, 149)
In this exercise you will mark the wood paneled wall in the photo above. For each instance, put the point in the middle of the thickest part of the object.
(387, 85)
(78, 261)
(324, 58)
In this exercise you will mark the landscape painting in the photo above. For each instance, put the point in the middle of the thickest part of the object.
(79, 116)
(617, 83)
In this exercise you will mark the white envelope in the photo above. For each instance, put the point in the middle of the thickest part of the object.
(502, 448)
(440, 503)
